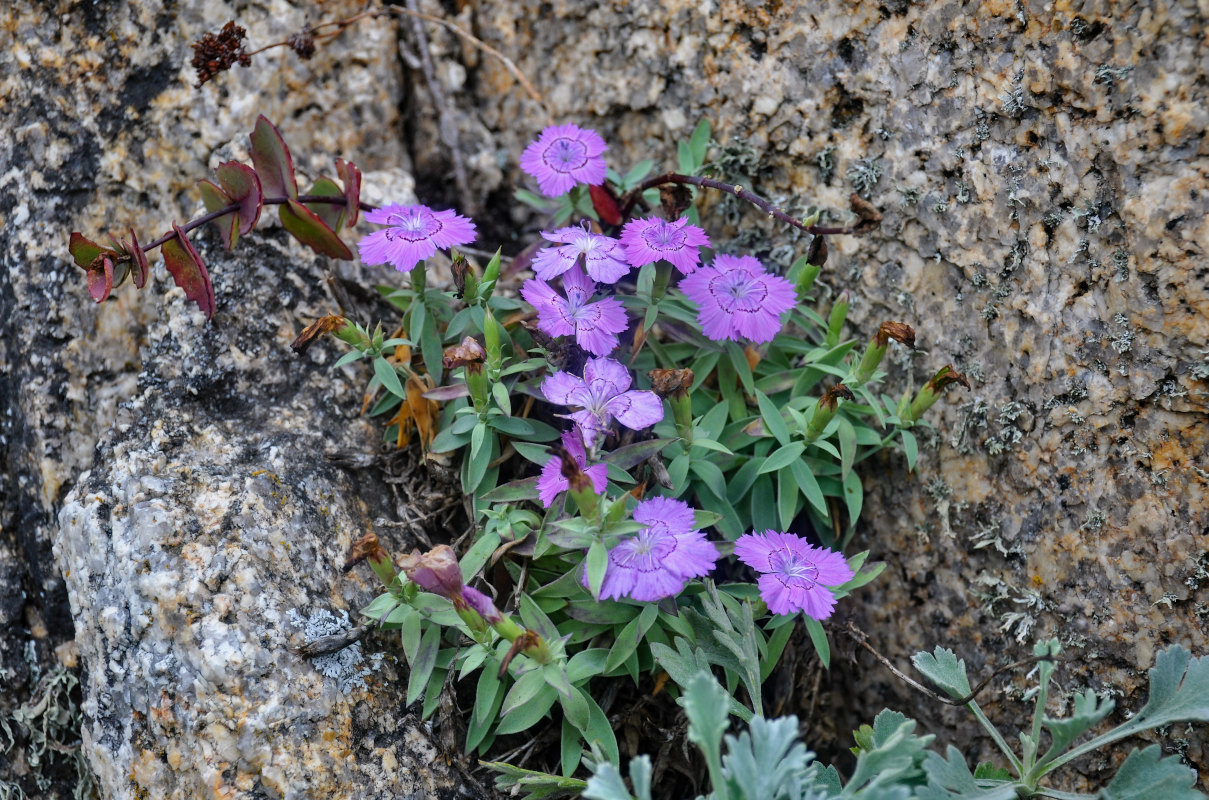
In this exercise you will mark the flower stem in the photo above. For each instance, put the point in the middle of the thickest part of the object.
(193, 225)
(862, 225)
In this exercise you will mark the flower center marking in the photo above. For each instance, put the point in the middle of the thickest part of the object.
(792, 566)
(739, 292)
(564, 155)
(662, 236)
(414, 226)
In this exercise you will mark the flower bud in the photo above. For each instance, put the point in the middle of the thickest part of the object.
(436, 571)
(899, 332)
(825, 410)
(368, 548)
(673, 385)
(932, 390)
(330, 323)
(835, 323)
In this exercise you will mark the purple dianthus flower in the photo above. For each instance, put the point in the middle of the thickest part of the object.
(414, 234)
(552, 482)
(737, 299)
(564, 155)
(649, 240)
(603, 258)
(595, 325)
(601, 395)
(660, 559)
(794, 574)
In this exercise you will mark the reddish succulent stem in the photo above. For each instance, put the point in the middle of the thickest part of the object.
(234, 207)
(738, 191)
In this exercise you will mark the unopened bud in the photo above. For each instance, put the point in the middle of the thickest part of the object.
(899, 332)
(436, 571)
(825, 411)
(329, 323)
(932, 390)
(469, 354)
(671, 382)
(868, 217)
(368, 548)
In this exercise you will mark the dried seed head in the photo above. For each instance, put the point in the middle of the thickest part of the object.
(898, 331)
(671, 382)
(303, 43)
(215, 53)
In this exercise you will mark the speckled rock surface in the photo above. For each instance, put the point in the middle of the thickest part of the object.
(1044, 175)
(209, 532)
(103, 129)
(1042, 169)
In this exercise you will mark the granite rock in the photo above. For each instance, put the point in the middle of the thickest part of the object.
(1042, 171)
(182, 632)
(1044, 175)
(204, 547)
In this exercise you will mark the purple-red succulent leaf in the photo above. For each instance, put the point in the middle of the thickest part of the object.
(189, 271)
(242, 185)
(605, 205)
(215, 198)
(332, 214)
(305, 226)
(141, 268)
(100, 279)
(84, 250)
(350, 176)
(272, 159)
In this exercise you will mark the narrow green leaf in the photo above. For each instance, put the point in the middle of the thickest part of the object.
(804, 479)
(598, 562)
(782, 457)
(513, 492)
(847, 436)
(774, 423)
(910, 448)
(422, 665)
(818, 637)
(632, 455)
(710, 475)
(389, 377)
(528, 714)
(698, 143)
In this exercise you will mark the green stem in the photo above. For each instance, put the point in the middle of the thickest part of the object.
(997, 737)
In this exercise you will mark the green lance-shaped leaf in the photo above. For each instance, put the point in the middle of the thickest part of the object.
(215, 198)
(242, 185)
(272, 159)
(189, 271)
(305, 226)
(332, 214)
(631, 455)
(350, 176)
